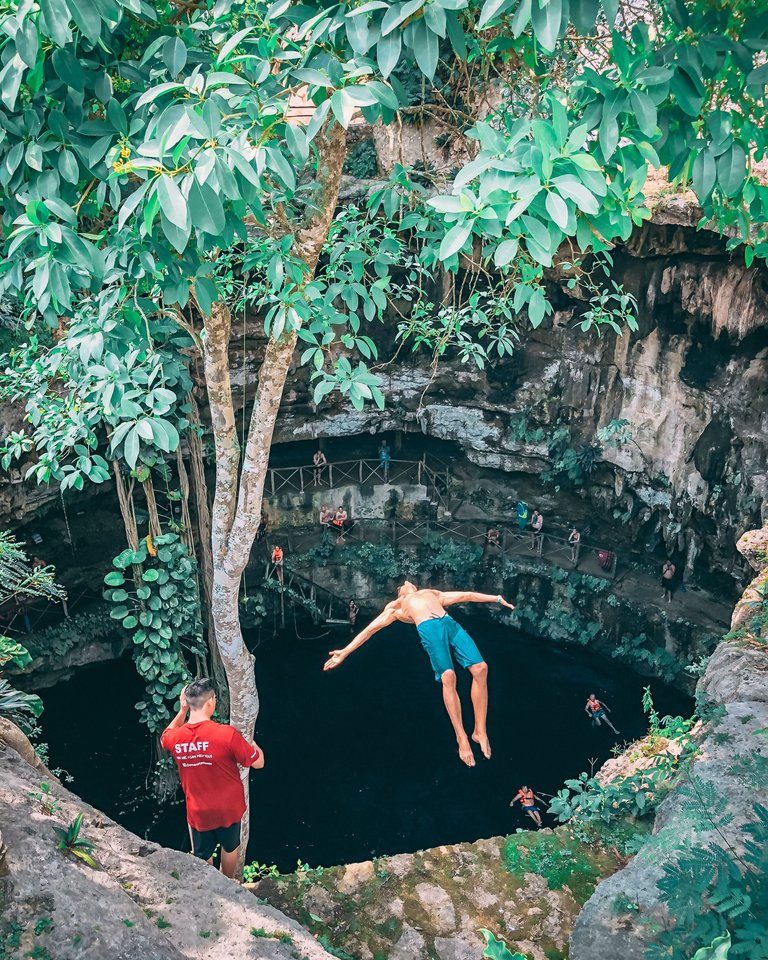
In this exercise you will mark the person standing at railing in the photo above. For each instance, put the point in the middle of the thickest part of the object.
(492, 537)
(574, 539)
(321, 462)
(385, 459)
(352, 613)
(537, 524)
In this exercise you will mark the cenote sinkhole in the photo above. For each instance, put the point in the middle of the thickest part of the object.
(361, 762)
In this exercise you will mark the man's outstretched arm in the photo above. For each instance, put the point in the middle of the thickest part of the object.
(469, 596)
(387, 616)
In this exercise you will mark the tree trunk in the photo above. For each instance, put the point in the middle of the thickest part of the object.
(203, 513)
(236, 512)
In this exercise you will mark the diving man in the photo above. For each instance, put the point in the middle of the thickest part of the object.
(441, 637)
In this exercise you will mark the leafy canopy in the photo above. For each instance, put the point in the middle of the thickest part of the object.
(149, 165)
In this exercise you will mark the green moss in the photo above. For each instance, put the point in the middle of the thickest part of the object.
(560, 859)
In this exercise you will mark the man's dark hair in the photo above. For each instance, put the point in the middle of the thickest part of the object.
(199, 692)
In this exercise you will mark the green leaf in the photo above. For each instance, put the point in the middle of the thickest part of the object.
(10, 80)
(205, 209)
(175, 55)
(172, 202)
(717, 950)
(398, 13)
(496, 949)
(546, 17)
(732, 170)
(491, 10)
(86, 16)
(150, 575)
(454, 240)
(56, 14)
(130, 622)
(557, 209)
(206, 294)
(388, 52)
(131, 447)
(645, 111)
(230, 45)
(425, 48)
(704, 174)
(505, 252)
(119, 613)
(114, 579)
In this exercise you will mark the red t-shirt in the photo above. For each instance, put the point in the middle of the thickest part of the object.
(207, 755)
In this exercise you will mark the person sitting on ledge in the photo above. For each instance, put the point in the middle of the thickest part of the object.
(340, 522)
(326, 515)
(442, 638)
(209, 756)
(492, 537)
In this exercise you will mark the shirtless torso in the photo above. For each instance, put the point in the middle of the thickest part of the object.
(417, 607)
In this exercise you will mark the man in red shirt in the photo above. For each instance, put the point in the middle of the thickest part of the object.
(209, 756)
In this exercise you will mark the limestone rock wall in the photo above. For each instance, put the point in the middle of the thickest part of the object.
(432, 904)
(730, 745)
(146, 903)
(692, 382)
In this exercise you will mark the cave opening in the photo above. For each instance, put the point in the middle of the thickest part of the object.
(361, 762)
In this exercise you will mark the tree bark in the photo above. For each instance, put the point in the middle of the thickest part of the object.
(237, 505)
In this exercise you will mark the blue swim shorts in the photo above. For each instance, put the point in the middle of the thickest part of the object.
(441, 637)
(598, 715)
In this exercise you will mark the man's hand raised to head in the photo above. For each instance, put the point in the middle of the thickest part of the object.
(183, 705)
(336, 657)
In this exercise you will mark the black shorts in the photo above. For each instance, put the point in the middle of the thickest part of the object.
(204, 841)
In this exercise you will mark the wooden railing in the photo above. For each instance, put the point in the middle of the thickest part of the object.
(362, 471)
(549, 545)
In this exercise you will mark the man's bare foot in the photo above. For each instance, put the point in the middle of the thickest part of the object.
(465, 753)
(482, 740)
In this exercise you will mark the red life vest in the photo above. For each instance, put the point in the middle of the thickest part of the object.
(277, 555)
(527, 797)
(594, 705)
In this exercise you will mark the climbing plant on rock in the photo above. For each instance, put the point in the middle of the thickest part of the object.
(140, 139)
(160, 606)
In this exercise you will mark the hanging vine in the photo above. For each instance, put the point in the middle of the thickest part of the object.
(160, 606)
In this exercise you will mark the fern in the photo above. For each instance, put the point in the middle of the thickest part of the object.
(709, 888)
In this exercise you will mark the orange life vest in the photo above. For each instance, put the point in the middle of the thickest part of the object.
(594, 705)
(527, 797)
(277, 555)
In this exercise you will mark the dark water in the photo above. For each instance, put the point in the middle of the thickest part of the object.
(361, 761)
